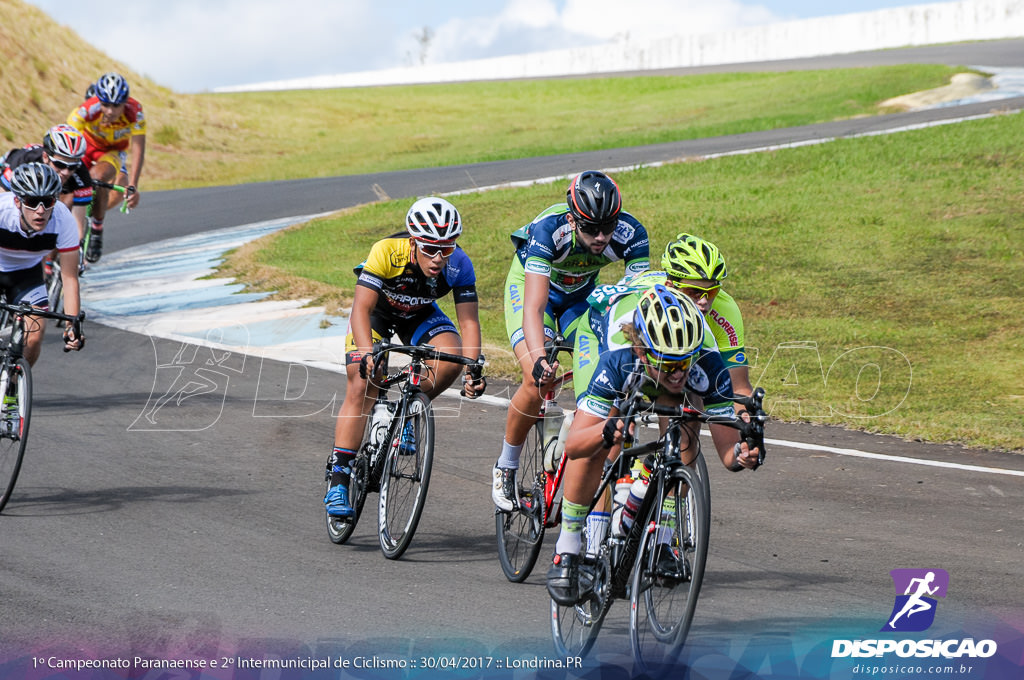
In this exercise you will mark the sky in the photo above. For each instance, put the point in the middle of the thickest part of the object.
(199, 45)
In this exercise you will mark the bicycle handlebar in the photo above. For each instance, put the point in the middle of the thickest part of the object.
(555, 346)
(417, 353)
(116, 187)
(25, 309)
(752, 431)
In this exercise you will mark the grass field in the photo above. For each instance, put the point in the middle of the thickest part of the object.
(881, 279)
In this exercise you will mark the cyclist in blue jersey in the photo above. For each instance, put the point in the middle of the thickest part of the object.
(667, 361)
(396, 292)
(556, 264)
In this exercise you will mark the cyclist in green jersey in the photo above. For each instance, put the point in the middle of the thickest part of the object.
(557, 261)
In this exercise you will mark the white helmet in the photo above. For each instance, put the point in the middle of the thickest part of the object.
(433, 219)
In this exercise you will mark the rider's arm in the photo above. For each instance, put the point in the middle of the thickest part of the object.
(468, 316)
(535, 301)
(138, 153)
(69, 281)
(363, 302)
(586, 435)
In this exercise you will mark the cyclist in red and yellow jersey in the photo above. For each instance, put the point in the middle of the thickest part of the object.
(113, 125)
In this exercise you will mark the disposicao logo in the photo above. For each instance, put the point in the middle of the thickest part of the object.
(916, 590)
(913, 611)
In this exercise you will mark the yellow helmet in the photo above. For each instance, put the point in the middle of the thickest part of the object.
(671, 327)
(690, 257)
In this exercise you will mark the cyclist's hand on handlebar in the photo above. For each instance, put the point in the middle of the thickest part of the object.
(364, 362)
(474, 383)
(613, 432)
(473, 387)
(73, 339)
(543, 372)
(131, 196)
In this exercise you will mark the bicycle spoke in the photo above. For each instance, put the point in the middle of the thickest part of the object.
(406, 477)
(15, 413)
(668, 575)
(521, 532)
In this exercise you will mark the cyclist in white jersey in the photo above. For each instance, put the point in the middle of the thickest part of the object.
(33, 222)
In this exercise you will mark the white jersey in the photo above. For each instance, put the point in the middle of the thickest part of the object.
(19, 250)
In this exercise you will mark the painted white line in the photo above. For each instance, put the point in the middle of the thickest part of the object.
(856, 453)
(894, 459)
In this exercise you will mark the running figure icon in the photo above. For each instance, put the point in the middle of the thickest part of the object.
(919, 588)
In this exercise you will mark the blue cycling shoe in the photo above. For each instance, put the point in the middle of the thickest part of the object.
(336, 502)
(407, 445)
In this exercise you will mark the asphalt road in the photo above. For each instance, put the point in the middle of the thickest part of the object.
(195, 530)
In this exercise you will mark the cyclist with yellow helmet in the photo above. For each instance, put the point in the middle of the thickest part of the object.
(696, 268)
(667, 360)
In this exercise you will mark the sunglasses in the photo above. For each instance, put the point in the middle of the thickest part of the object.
(595, 228)
(64, 165)
(33, 202)
(432, 250)
(668, 366)
(698, 292)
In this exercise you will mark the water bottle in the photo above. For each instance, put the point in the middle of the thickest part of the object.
(553, 451)
(637, 490)
(380, 417)
(597, 529)
(551, 426)
(622, 487)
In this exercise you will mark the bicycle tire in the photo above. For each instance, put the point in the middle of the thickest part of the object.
(406, 478)
(14, 434)
(339, 529)
(663, 601)
(574, 628)
(520, 532)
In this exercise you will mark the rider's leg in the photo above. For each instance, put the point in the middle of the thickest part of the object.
(443, 373)
(360, 395)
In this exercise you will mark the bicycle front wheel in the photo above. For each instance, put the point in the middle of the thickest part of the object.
(669, 570)
(574, 628)
(16, 405)
(521, 531)
(403, 487)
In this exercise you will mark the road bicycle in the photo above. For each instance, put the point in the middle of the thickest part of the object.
(658, 563)
(54, 283)
(16, 387)
(520, 532)
(397, 453)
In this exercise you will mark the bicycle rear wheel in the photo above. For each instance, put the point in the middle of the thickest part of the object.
(16, 405)
(669, 570)
(521, 532)
(340, 528)
(403, 487)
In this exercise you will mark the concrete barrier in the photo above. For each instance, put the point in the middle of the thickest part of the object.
(925, 24)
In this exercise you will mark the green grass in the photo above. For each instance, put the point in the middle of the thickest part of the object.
(322, 133)
(881, 279)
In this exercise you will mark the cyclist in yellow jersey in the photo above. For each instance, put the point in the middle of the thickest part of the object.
(113, 125)
(396, 293)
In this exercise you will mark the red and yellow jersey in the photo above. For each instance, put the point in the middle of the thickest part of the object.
(115, 136)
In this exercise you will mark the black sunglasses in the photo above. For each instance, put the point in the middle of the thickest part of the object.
(33, 202)
(64, 165)
(595, 228)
